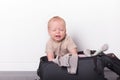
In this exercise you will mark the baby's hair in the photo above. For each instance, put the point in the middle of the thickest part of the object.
(56, 18)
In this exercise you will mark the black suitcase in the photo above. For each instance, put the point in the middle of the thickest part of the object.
(89, 68)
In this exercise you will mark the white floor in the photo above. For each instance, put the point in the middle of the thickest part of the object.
(31, 75)
(18, 75)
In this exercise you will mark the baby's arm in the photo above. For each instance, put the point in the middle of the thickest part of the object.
(72, 47)
(49, 51)
(50, 56)
(73, 51)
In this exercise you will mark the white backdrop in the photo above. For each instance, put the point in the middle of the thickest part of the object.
(23, 28)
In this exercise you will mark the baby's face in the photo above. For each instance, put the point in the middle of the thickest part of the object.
(57, 30)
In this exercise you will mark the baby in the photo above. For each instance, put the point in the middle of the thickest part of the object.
(60, 48)
(59, 43)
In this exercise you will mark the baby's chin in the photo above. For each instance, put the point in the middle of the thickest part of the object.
(58, 40)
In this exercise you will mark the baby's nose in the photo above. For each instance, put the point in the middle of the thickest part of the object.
(57, 31)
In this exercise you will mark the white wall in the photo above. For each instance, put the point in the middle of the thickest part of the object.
(23, 28)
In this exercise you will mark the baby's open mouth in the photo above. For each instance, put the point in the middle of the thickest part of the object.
(58, 36)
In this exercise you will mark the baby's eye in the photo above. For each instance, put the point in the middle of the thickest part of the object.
(61, 29)
(53, 30)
